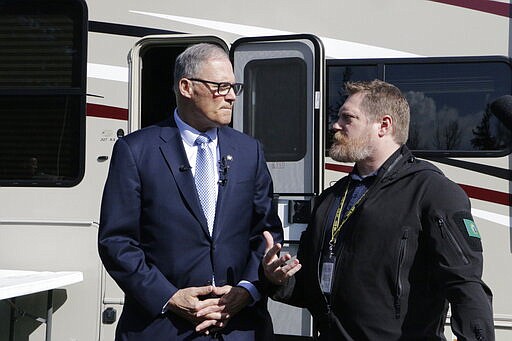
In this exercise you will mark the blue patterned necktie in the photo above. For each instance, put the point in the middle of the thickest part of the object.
(205, 179)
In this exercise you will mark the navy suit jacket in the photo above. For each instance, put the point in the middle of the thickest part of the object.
(153, 236)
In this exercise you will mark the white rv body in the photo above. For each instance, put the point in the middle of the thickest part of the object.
(54, 228)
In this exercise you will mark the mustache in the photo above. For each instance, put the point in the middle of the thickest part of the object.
(338, 137)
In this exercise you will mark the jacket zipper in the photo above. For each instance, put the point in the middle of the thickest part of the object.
(458, 248)
(401, 259)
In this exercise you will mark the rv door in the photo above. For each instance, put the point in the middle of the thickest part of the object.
(281, 106)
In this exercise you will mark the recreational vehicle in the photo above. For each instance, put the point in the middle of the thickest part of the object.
(76, 75)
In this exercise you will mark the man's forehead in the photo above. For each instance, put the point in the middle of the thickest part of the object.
(219, 68)
(352, 102)
(215, 62)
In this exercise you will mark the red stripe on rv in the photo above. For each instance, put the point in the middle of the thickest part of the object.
(492, 7)
(472, 191)
(338, 168)
(488, 195)
(105, 111)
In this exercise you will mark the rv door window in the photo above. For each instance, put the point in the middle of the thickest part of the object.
(274, 93)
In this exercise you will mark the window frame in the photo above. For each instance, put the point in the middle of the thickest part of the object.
(76, 91)
(380, 65)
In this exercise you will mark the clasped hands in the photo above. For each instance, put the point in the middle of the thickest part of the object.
(212, 313)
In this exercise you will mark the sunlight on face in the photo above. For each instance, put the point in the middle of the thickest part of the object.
(351, 149)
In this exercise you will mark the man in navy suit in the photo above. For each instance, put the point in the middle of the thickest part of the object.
(188, 274)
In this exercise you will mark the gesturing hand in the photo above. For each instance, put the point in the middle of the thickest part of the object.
(276, 269)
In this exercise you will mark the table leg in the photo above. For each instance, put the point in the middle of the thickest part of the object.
(49, 315)
(12, 318)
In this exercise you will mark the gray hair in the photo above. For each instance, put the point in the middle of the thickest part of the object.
(189, 62)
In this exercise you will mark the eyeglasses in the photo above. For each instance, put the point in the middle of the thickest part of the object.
(223, 88)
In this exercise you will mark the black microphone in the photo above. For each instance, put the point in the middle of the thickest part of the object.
(224, 167)
(502, 109)
(184, 168)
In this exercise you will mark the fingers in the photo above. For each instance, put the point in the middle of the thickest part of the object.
(207, 324)
(271, 249)
(279, 271)
(213, 314)
(291, 269)
(212, 306)
(211, 326)
(220, 291)
(216, 308)
(216, 315)
(278, 263)
(269, 240)
(271, 255)
(201, 291)
(185, 300)
(210, 302)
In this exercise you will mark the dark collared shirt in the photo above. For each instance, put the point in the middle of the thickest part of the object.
(358, 187)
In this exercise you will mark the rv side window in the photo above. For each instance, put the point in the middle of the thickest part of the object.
(450, 102)
(274, 88)
(42, 92)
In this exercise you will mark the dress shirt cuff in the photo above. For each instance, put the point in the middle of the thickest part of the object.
(165, 308)
(255, 294)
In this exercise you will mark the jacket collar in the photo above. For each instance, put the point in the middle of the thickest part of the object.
(174, 153)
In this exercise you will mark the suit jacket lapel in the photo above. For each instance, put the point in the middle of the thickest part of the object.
(226, 147)
(174, 153)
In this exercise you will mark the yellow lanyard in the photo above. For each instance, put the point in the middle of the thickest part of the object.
(336, 225)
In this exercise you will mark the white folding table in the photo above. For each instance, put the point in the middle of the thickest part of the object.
(15, 283)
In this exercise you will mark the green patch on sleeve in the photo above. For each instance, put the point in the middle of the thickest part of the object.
(471, 228)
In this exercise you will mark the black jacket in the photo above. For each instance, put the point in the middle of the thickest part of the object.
(408, 249)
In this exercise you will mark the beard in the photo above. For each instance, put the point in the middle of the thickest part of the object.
(345, 149)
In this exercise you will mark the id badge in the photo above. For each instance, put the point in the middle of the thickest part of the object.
(327, 274)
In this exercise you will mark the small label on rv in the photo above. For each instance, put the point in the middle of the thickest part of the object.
(276, 165)
(107, 135)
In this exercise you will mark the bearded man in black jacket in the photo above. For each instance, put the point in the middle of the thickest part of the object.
(389, 245)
